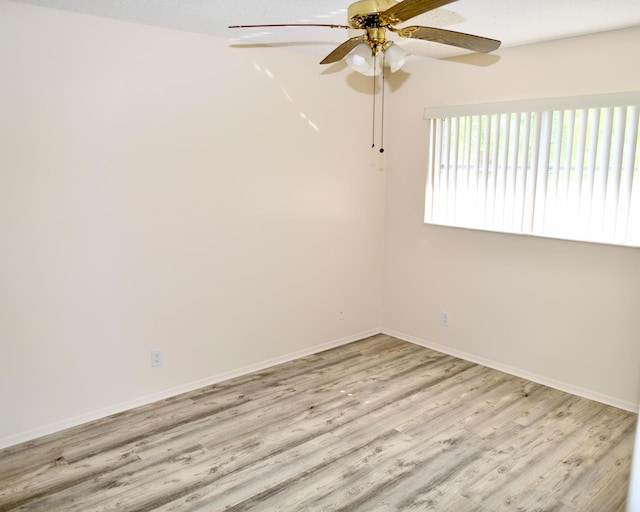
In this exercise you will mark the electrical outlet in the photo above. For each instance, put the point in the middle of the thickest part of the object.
(341, 314)
(156, 358)
(445, 319)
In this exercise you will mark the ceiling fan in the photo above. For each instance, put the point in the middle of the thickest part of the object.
(375, 17)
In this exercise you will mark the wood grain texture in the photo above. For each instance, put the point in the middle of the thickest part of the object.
(379, 425)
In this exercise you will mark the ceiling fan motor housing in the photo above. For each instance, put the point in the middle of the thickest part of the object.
(365, 14)
(363, 9)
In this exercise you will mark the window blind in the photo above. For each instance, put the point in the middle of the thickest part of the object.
(561, 172)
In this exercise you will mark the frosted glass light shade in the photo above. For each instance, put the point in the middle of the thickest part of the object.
(375, 66)
(360, 59)
(394, 57)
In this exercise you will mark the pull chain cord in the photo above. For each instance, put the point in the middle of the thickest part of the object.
(382, 110)
(373, 121)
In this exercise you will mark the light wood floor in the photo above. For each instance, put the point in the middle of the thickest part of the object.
(379, 425)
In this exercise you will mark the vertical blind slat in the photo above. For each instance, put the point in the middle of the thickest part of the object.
(502, 154)
(543, 150)
(579, 169)
(553, 176)
(524, 151)
(490, 207)
(612, 195)
(434, 149)
(532, 178)
(632, 178)
(563, 192)
(477, 166)
(466, 162)
(590, 169)
(482, 212)
(444, 177)
(512, 173)
(601, 173)
(453, 169)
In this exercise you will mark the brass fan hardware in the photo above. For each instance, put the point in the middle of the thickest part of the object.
(376, 16)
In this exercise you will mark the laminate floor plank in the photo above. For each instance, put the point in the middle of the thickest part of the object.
(17, 459)
(119, 488)
(598, 486)
(339, 405)
(418, 471)
(378, 425)
(420, 404)
(491, 453)
(351, 465)
(516, 481)
(510, 455)
(463, 402)
(255, 481)
(599, 443)
(356, 481)
(233, 453)
(539, 405)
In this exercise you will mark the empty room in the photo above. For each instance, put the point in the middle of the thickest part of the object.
(235, 278)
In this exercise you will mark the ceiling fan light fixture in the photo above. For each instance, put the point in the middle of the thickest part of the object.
(395, 57)
(360, 59)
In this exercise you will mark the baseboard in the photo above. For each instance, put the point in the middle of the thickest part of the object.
(518, 372)
(168, 393)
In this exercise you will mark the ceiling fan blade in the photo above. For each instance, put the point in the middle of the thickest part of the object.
(343, 50)
(290, 25)
(408, 9)
(459, 39)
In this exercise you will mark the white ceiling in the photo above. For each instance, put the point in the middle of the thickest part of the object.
(514, 22)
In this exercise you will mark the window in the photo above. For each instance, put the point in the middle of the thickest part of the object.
(563, 168)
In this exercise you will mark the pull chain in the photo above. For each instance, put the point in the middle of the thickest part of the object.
(382, 110)
(373, 121)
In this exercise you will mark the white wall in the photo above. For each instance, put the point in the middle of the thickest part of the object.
(562, 313)
(160, 189)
